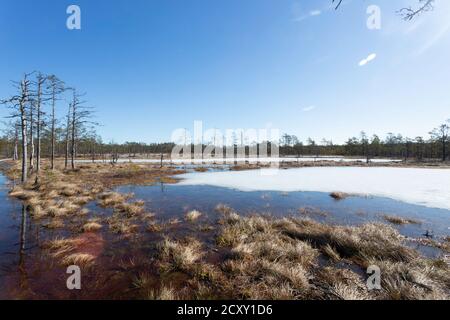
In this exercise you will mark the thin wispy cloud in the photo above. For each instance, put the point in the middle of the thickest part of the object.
(300, 15)
(435, 39)
(309, 108)
(365, 61)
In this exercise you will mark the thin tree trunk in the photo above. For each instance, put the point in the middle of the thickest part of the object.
(31, 139)
(444, 149)
(52, 152)
(24, 147)
(38, 130)
(16, 143)
(23, 124)
(66, 160)
(73, 135)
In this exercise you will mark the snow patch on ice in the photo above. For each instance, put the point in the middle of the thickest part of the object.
(427, 187)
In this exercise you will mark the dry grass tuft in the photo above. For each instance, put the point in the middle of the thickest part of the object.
(154, 227)
(111, 199)
(81, 200)
(179, 255)
(22, 194)
(164, 293)
(140, 203)
(80, 259)
(37, 212)
(193, 215)
(130, 209)
(339, 195)
(148, 216)
(92, 226)
(120, 226)
(331, 253)
(54, 224)
(399, 220)
(61, 247)
(224, 209)
(68, 190)
(265, 263)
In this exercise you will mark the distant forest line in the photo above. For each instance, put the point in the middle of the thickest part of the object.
(436, 147)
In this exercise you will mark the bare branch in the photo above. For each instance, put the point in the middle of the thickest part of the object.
(409, 13)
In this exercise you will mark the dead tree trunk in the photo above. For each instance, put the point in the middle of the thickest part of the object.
(40, 82)
(73, 150)
(66, 159)
(52, 143)
(16, 143)
(23, 124)
(56, 87)
(31, 138)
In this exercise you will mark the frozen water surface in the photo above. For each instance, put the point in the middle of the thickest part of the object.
(427, 187)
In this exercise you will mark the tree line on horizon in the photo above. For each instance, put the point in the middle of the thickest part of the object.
(89, 145)
(436, 146)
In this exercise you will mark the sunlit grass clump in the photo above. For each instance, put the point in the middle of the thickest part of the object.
(193, 215)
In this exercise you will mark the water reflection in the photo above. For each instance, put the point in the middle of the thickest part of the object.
(22, 250)
(173, 201)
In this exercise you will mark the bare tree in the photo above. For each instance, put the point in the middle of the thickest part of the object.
(31, 132)
(410, 13)
(40, 82)
(16, 142)
(55, 87)
(20, 106)
(67, 129)
(80, 117)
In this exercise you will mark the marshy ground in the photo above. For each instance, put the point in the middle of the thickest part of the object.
(127, 251)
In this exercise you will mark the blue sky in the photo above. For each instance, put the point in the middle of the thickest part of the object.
(152, 66)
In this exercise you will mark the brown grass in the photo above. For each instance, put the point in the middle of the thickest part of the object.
(130, 209)
(79, 259)
(111, 199)
(193, 215)
(146, 285)
(279, 259)
(54, 224)
(22, 194)
(179, 255)
(223, 209)
(339, 195)
(399, 220)
(121, 226)
(80, 251)
(154, 227)
(92, 226)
